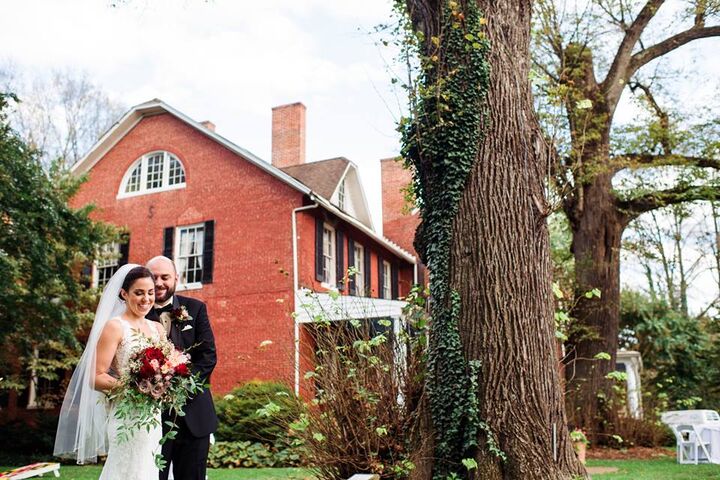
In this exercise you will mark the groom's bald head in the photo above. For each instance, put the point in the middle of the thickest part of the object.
(165, 277)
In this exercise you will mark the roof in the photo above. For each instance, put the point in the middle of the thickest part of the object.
(322, 176)
(156, 107)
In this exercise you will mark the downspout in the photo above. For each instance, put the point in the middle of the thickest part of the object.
(295, 289)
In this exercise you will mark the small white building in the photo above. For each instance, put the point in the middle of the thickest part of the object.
(630, 363)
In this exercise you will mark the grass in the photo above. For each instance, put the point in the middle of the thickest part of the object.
(660, 469)
(73, 472)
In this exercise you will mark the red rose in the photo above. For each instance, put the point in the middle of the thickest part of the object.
(154, 353)
(146, 371)
(182, 370)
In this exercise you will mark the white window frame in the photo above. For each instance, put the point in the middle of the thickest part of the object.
(341, 195)
(387, 280)
(360, 276)
(165, 183)
(108, 257)
(329, 280)
(181, 285)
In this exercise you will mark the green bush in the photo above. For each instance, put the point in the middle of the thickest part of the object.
(241, 413)
(254, 455)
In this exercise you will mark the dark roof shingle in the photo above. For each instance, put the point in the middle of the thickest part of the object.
(322, 177)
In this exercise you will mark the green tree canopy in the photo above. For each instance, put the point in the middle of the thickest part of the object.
(43, 244)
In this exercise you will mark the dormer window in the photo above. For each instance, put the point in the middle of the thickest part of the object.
(341, 195)
(153, 172)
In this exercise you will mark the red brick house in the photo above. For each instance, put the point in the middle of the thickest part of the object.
(248, 236)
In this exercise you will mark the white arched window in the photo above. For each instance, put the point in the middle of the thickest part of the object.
(153, 172)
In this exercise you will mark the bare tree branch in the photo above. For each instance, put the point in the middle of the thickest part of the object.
(659, 49)
(662, 115)
(679, 194)
(639, 160)
(615, 80)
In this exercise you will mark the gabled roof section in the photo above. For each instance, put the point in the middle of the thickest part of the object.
(322, 177)
(157, 107)
(325, 177)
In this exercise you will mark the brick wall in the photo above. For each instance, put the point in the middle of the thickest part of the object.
(250, 299)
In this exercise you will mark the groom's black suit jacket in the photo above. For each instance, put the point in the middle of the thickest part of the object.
(196, 338)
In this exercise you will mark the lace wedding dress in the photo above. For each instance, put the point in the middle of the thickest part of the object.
(134, 458)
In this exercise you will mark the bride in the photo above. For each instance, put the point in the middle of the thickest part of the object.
(88, 427)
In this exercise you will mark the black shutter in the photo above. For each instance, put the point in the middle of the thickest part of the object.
(168, 240)
(366, 271)
(339, 258)
(208, 252)
(351, 263)
(86, 275)
(394, 281)
(381, 280)
(319, 250)
(124, 250)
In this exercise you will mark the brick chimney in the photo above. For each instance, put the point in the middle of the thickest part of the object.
(288, 135)
(209, 125)
(399, 224)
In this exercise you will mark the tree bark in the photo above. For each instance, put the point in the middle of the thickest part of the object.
(500, 265)
(597, 235)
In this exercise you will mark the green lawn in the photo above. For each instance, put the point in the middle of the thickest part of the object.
(661, 469)
(93, 472)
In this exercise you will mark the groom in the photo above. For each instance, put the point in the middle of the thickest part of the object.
(186, 321)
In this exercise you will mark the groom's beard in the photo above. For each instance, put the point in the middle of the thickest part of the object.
(160, 299)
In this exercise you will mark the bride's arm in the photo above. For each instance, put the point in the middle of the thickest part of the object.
(107, 346)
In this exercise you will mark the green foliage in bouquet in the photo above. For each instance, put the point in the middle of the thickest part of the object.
(241, 414)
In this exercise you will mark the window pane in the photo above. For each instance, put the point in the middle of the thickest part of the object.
(106, 263)
(154, 171)
(133, 184)
(177, 173)
(189, 253)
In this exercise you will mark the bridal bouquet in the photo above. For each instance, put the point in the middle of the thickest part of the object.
(157, 379)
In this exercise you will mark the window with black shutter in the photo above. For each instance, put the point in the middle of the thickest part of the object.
(394, 281)
(168, 242)
(319, 250)
(124, 250)
(351, 263)
(109, 258)
(208, 252)
(366, 272)
(381, 280)
(340, 259)
(189, 253)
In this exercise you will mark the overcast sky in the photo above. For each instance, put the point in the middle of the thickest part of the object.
(229, 62)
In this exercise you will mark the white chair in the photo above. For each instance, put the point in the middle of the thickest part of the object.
(689, 444)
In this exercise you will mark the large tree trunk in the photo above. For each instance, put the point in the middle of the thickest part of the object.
(500, 265)
(597, 235)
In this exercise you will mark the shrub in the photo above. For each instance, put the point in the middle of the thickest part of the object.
(254, 455)
(368, 381)
(241, 421)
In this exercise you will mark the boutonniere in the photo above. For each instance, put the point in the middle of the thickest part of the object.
(181, 314)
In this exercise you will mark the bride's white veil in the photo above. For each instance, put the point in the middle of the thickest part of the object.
(81, 432)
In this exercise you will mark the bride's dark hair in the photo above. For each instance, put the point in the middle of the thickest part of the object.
(134, 275)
